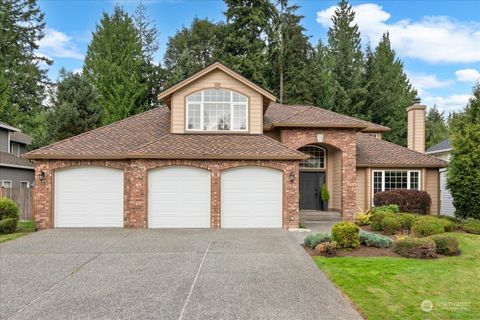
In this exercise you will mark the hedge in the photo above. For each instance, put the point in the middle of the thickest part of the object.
(422, 248)
(413, 201)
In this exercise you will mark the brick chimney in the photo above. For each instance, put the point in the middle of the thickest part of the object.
(416, 126)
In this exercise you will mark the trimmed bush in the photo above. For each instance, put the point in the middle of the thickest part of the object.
(326, 249)
(391, 208)
(445, 244)
(371, 239)
(472, 226)
(8, 225)
(427, 226)
(346, 235)
(448, 225)
(391, 223)
(414, 201)
(376, 220)
(313, 240)
(422, 248)
(8, 209)
(407, 220)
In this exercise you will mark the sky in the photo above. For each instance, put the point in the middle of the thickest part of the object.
(437, 40)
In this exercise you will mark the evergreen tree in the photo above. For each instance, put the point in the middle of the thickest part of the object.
(75, 108)
(249, 25)
(463, 178)
(346, 61)
(436, 129)
(323, 82)
(192, 49)
(22, 77)
(389, 91)
(115, 66)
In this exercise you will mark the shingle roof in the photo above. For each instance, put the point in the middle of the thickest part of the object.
(147, 136)
(9, 160)
(441, 146)
(21, 137)
(374, 152)
(279, 115)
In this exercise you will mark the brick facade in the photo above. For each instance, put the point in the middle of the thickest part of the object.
(135, 186)
(343, 140)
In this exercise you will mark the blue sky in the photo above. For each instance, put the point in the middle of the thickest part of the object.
(438, 40)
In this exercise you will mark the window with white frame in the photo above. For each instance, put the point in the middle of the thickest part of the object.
(5, 183)
(384, 180)
(217, 110)
(15, 149)
(317, 158)
(24, 184)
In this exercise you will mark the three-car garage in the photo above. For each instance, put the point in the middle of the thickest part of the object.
(177, 197)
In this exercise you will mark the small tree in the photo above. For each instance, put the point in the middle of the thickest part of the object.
(463, 178)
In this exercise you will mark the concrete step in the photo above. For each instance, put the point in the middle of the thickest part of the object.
(313, 216)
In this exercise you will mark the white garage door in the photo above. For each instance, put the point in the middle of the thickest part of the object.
(89, 197)
(251, 198)
(179, 197)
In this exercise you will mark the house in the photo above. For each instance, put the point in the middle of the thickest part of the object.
(442, 151)
(15, 172)
(222, 153)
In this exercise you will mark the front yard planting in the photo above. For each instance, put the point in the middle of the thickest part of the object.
(23, 228)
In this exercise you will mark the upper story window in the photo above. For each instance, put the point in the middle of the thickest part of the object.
(316, 160)
(217, 110)
(15, 149)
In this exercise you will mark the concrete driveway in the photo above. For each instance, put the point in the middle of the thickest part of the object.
(164, 274)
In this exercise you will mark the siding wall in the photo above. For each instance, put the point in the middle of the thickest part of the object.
(3, 140)
(226, 82)
(16, 175)
(432, 186)
(362, 190)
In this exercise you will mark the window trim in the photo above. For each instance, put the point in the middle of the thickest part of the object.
(11, 148)
(383, 179)
(202, 102)
(325, 158)
(3, 181)
(27, 182)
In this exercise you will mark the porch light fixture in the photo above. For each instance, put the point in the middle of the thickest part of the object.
(41, 175)
(292, 176)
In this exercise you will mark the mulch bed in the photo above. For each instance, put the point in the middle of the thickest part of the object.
(361, 251)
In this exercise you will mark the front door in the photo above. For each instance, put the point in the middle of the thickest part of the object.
(310, 190)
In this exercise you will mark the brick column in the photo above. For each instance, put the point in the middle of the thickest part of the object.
(42, 200)
(135, 197)
(349, 181)
(291, 217)
(216, 203)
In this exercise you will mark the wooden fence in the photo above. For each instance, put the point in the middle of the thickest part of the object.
(23, 198)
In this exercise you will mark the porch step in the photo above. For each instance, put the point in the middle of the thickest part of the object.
(312, 216)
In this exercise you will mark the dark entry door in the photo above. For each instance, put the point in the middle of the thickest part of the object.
(310, 188)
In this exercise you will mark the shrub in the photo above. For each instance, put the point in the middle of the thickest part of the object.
(8, 225)
(407, 220)
(313, 240)
(346, 234)
(326, 249)
(325, 194)
(376, 220)
(448, 225)
(371, 239)
(407, 200)
(8, 209)
(427, 226)
(362, 218)
(391, 224)
(472, 226)
(391, 208)
(422, 248)
(445, 244)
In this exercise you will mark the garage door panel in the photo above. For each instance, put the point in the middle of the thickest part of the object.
(251, 198)
(89, 197)
(179, 197)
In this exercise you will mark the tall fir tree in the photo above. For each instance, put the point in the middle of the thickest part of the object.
(249, 25)
(114, 64)
(463, 178)
(75, 109)
(389, 91)
(436, 129)
(23, 75)
(346, 61)
(322, 80)
(192, 49)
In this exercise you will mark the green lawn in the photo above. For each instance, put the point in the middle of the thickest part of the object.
(23, 228)
(394, 288)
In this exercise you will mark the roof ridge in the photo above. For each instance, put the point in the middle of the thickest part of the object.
(93, 130)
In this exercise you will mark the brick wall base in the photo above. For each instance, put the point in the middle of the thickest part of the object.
(135, 186)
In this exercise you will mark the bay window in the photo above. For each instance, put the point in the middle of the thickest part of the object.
(217, 110)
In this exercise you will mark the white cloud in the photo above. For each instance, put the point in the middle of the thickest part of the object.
(422, 81)
(467, 75)
(451, 103)
(433, 39)
(57, 44)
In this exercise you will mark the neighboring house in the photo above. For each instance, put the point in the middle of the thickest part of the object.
(15, 172)
(222, 153)
(442, 151)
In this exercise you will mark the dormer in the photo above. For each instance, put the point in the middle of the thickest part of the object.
(217, 100)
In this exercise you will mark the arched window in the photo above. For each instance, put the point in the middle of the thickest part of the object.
(317, 158)
(217, 110)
